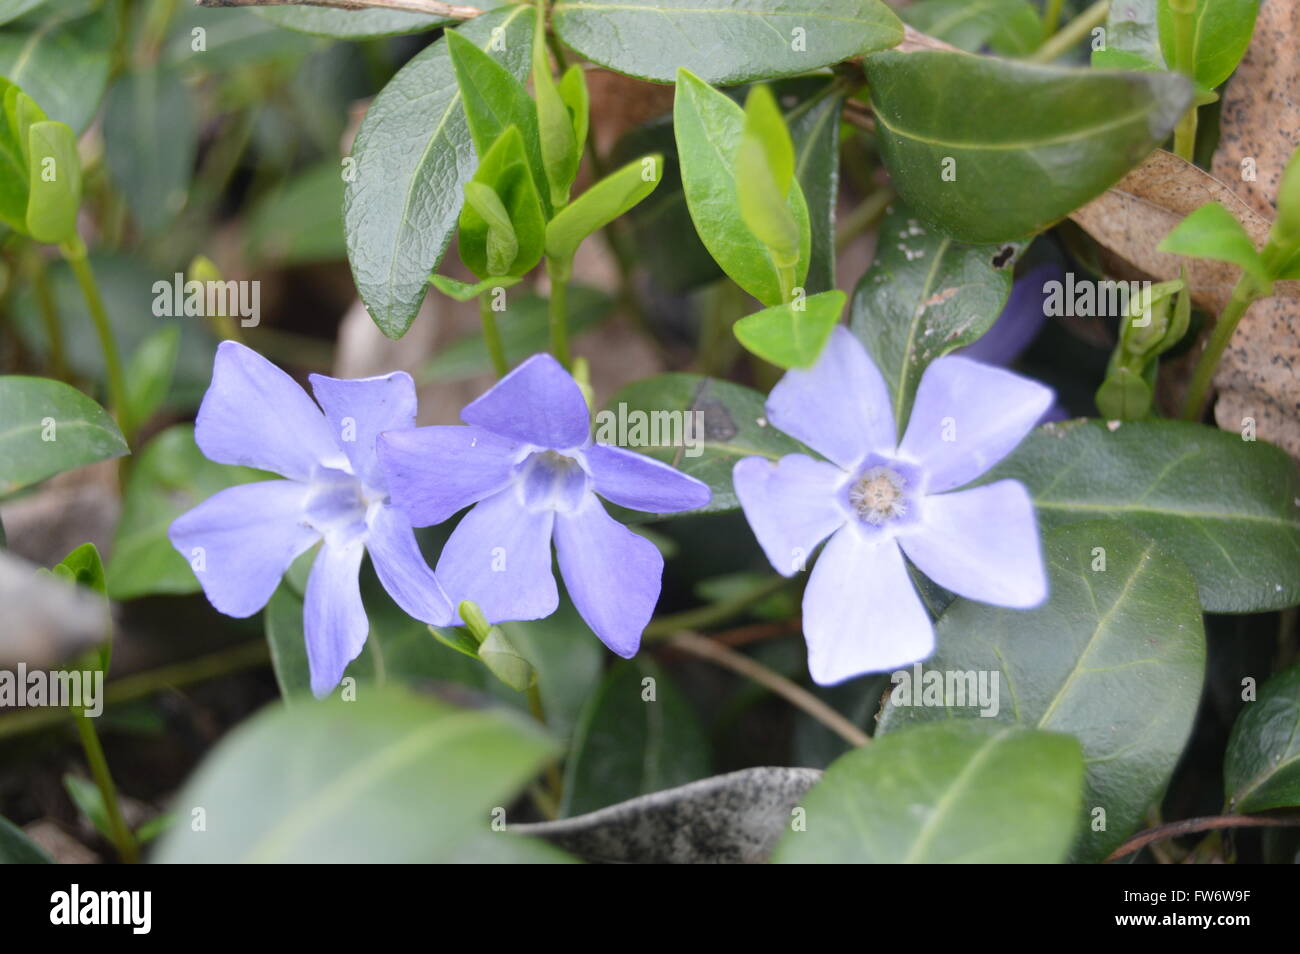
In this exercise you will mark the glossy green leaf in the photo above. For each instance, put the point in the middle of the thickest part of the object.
(764, 177)
(149, 374)
(60, 56)
(961, 792)
(502, 226)
(413, 155)
(1116, 658)
(636, 735)
(1261, 769)
(970, 164)
(1010, 27)
(17, 849)
(1225, 507)
(925, 295)
(729, 423)
(605, 201)
(815, 128)
(1212, 232)
(723, 41)
(1221, 32)
(46, 428)
(54, 182)
(709, 127)
(790, 336)
(350, 24)
(390, 777)
(150, 137)
(170, 477)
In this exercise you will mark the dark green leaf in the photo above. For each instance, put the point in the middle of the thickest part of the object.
(301, 222)
(350, 24)
(17, 849)
(1010, 27)
(149, 374)
(961, 792)
(60, 58)
(815, 128)
(47, 427)
(990, 150)
(1261, 769)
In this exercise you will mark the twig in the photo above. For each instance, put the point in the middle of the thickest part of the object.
(1071, 33)
(706, 616)
(795, 694)
(1190, 826)
(430, 7)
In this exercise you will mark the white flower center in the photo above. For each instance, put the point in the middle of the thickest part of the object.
(553, 481)
(877, 496)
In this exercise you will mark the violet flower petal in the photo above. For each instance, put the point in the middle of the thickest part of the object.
(642, 483)
(499, 556)
(334, 619)
(612, 574)
(536, 403)
(791, 505)
(246, 537)
(983, 544)
(360, 409)
(402, 570)
(860, 612)
(255, 415)
(840, 407)
(1020, 322)
(967, 417)
(433, 472)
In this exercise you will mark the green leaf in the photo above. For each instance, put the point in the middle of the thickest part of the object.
(83, 567)
(764, 176)
(723, 41)
(466, 291)
(150, 137)
(350, 24)
(1121, 670)
(605, 201)
(636, 735)
(1125, 395)
(149, 374)
(54, 182)
(413, 155)
(301, 221)
(791, 337)
(61, 59)
(574, 94)
(17, 849)
(709, 127)
(729, 421)
(1212, 232)
(1131, 29)
(561, 147)
(494, 100)
(85, 795)
(1225, 507)
(506, 662)
(170, 477)
(502, 227)
(925, 295)
(47, 427)
(390, 777)
(815, 128)
(1221, 32)
(1261, 769)
(961, 792)
(1009, 27)
(13, 9)
(984, 170)
(19, 112)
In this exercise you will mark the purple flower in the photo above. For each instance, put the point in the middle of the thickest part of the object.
(877, 498)
(241, 541)
(527, 463)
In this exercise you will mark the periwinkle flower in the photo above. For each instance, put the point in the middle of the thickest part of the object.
(243, 539)
(527, 464)
(877, 498)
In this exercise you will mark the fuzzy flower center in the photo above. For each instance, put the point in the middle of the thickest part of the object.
(551, 480)
(877, 496)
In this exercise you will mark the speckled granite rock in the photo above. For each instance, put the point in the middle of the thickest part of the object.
(728, 819)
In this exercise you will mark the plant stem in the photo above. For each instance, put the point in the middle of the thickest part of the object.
(1185, 63)
(492, 334)
(559, 272)
(1071, 33)
(793, 693)
(706, 616)
(554, 784)
(49, 317)
(1191, 825)
(1244, 294)
(74, 251)
(123, 840)
(863, 217)
(1051, 17)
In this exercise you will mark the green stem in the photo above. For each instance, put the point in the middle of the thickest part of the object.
(49, 317)
(492, 334)
(559, 272)
(705, 616)
(1243, 295)
(863, 217)
(74, 250)
(123, 840)
(554, 783)
(1185, 63)
(1051, 17)
(1071, 33)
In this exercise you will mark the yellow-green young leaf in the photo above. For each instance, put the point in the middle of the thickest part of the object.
(505, 662)
(468, 291)
(601, 204)
(765, 176)
(502, 226)
(54, 182)
(792, 335)
(560, 148)
(573, 90)
(1212, 232)
(1286, 227)
(1220, 32)
(17, 113)
(1124, 395)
